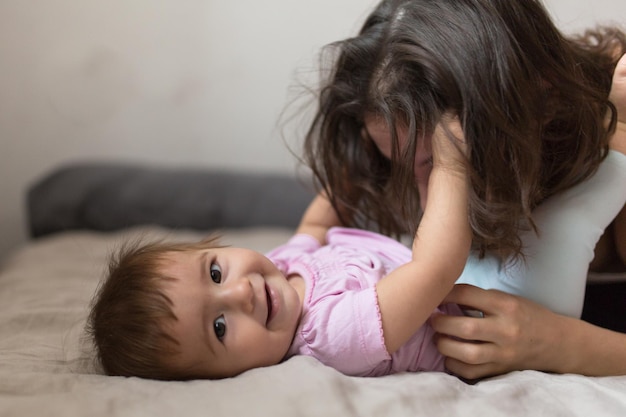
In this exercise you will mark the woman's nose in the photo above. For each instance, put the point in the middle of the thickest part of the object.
(422, 189)
(239, 294)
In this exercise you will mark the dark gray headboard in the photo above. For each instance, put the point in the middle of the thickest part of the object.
(109, 196)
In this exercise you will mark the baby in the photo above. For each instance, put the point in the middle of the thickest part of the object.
(181, 311)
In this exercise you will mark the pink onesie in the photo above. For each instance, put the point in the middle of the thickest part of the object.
(340, 323)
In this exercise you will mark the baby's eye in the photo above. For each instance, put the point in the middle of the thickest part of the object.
(216, 273)
(219, 325)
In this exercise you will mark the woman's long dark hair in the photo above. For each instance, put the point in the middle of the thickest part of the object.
(533, 105)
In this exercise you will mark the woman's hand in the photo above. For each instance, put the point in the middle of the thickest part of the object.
(514, 334)
(517, 334)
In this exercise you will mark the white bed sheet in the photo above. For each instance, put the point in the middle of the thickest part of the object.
(46, 367)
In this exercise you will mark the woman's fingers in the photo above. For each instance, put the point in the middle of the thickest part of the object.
(487, 301)
(470, 360)
(469, 352)
(463, 327)
(468, 371)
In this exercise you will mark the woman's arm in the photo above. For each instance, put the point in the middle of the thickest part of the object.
(618, 98)
(517, 334)
(409, 294)
(318, 218)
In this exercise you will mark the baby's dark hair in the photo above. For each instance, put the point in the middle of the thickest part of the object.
(130, 311)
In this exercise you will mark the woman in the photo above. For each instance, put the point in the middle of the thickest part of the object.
(534, 108)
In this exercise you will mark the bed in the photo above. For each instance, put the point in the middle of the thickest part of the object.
(79, 213)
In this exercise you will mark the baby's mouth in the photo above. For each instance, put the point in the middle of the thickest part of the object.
(269, 304)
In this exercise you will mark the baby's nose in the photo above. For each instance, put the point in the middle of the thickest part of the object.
(240, 294)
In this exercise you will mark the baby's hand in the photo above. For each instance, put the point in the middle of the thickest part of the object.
(618, 97)
(449, 146)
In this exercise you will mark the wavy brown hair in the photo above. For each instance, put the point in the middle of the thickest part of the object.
(130, 312)
(533, 105)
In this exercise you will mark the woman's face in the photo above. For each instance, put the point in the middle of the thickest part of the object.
(379, 132)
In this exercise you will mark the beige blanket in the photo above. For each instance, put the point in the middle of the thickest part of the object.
(46, 368)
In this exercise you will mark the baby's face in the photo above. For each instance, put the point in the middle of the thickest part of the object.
(236, 311)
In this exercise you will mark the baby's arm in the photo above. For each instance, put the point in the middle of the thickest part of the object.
(408, 295)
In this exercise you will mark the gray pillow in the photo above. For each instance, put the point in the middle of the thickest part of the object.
(109, 196)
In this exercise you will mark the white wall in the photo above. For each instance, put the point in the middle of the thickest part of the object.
(191, 82)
